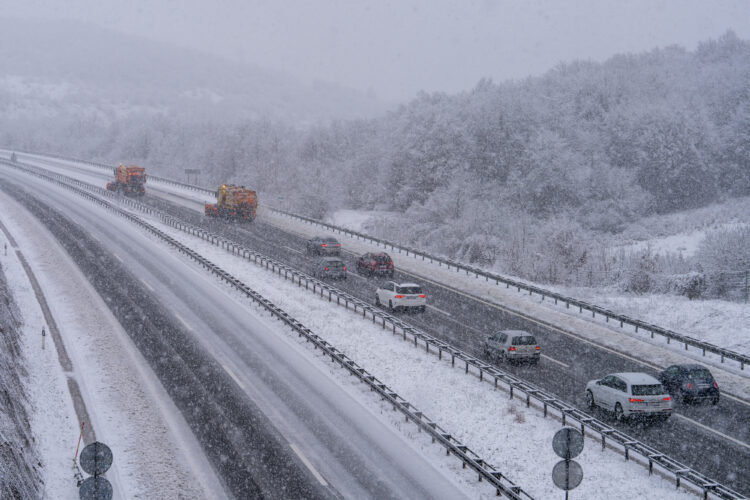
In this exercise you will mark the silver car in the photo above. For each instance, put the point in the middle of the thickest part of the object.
(511, 345)
(630, 395)
(330, 267)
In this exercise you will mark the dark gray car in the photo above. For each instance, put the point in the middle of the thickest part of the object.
(330, 267)
(323, 245)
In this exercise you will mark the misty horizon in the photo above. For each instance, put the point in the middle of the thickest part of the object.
(395, 49)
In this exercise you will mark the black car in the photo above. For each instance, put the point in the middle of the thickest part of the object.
(689, 383)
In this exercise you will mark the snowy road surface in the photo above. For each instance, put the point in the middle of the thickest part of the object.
(697, 433)
(153, 448)
(341, 444)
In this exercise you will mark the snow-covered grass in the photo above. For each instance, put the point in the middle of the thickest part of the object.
(723, 323)
(516, 439)
(356, 220)
(687, 222)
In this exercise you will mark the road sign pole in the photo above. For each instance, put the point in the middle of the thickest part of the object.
(567, 474)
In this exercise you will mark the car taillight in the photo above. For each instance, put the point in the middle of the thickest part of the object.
(338, 244)
(537, 348)
(326, 269)
(345, 268)
(422, 296)
(324, 244)
(689, 386)
(390, 265)
(511, 348)
(716, 384)
(666, 399)
(636, 400)
(399, 296)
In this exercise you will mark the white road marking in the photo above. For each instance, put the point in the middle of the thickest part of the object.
(118, 257)
(555, 361)
(307, 463)
(147, 285)
(551, 327)
(291, 249)
(735, 398)
(234, 377)
(741, 443)
(439, 310)
(183, 321)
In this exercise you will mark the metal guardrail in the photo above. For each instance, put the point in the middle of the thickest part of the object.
(543, 400)
(637, 324)
(531, 289)
(486, 471)
(471, 365)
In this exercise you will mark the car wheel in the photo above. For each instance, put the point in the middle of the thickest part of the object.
(619, 414)
(390, 305)
(715, 400)
(682, 397)
(422, 309)
(503, 357)
(590, 400)
(377, 300)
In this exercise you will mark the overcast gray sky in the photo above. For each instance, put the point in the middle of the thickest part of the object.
(397, 47)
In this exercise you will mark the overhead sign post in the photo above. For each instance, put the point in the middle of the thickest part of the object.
(567, 474)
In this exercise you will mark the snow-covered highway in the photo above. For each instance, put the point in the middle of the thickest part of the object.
(331, 444)
(227, 364)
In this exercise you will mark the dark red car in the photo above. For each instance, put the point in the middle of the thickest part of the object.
(375, 263)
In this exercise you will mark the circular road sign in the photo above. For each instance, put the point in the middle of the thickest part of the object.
(96, 458)
(568, 442)
(567, 474)
(95, 488)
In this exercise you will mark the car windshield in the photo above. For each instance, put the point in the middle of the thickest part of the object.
(381, 259)
(648, 390)
(701, 375)
(524, 340)
(331, 241)
(410, 289)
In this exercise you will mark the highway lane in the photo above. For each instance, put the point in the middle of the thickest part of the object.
(701, 437)
(703, 442)
(334, 446)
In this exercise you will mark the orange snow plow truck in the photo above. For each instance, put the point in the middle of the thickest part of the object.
(234, 202)
(129, 180)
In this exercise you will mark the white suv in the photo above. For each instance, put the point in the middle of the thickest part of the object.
(630, 395)
(401, 296)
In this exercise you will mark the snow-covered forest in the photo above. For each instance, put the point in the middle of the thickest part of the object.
(544, 178)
